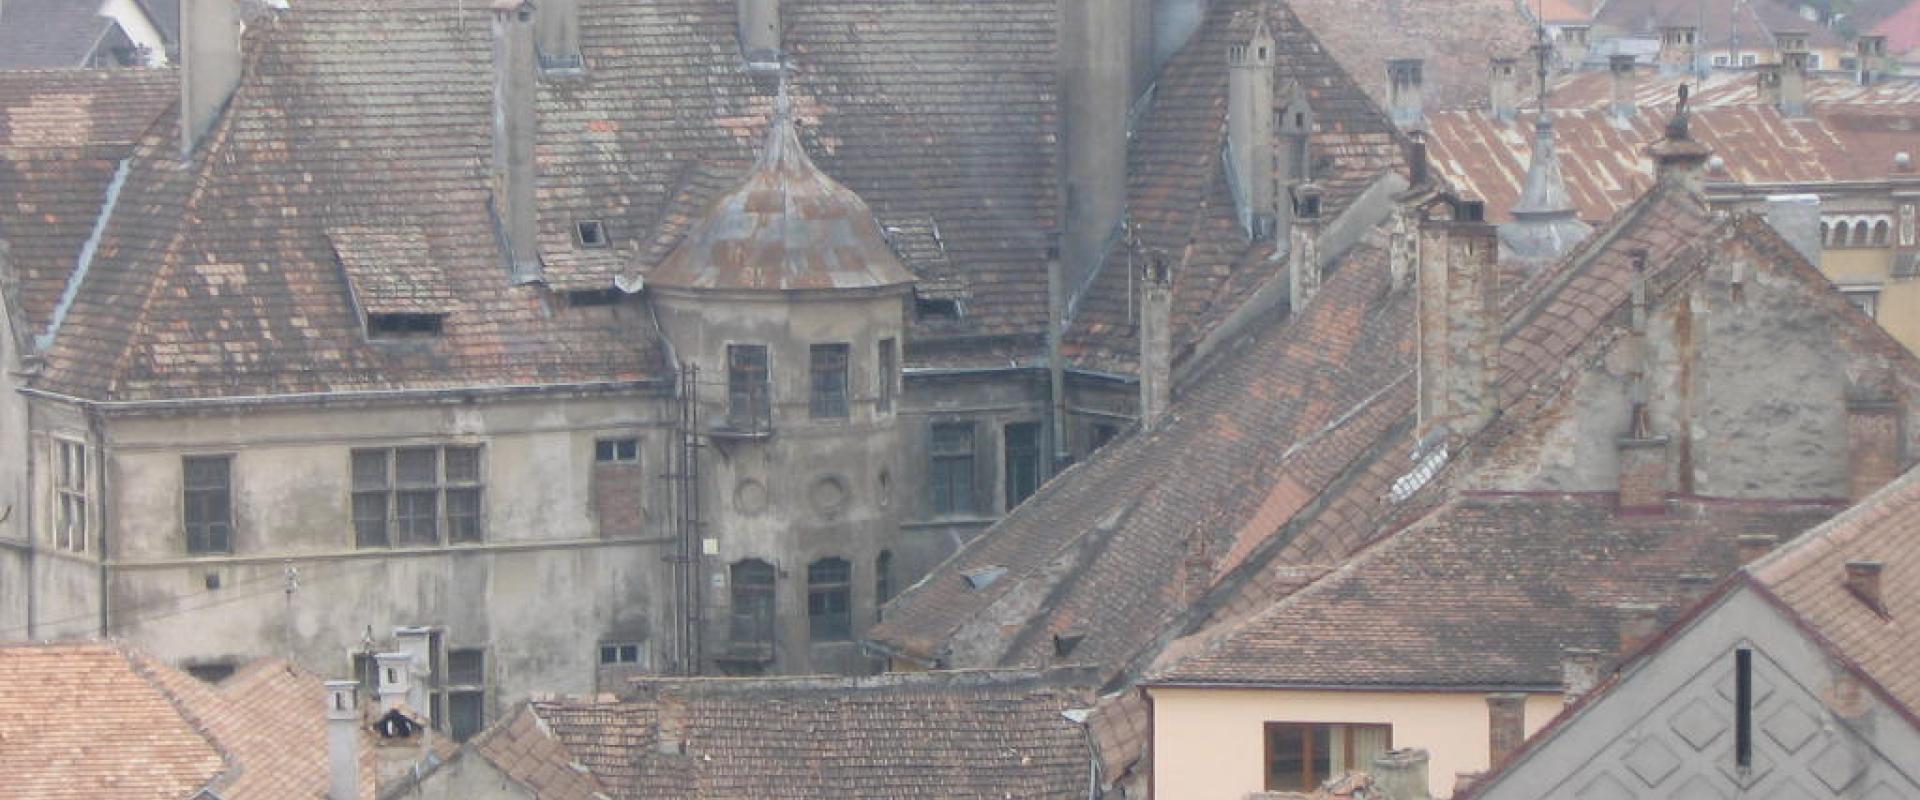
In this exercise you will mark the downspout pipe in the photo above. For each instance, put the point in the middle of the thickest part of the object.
(96, 431)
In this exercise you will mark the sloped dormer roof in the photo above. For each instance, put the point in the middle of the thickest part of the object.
(787, 227)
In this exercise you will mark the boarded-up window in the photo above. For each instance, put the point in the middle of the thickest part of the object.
(207, 503)
(619, 487)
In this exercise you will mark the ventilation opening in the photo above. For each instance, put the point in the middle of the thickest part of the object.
(594, 297)
(1743, 708)
(214, 672)
(590, 233)
(403, 326)
(562, 62)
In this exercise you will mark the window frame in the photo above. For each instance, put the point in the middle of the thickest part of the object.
(201, 542)
(749, 387)
(616, 450)
(830, 600)
(1308, 756)
(887, 368)
(625, 652)
(455, 511)
(1029, 455)
(72, 500)
(829, 366)
(753, 606)
(447, 693)
(950, 470)
(1864, 298)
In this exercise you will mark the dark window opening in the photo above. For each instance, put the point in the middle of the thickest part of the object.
(207, 500)
(887, 368)
(1743, 708)
(408, 495)
(751, 627)
(932, 309)
(562, 62)
(616, 450)
(829, 375)
(465, 692)
(830, 600)
(950, 476)
(402, 326)
(882, 580)
(624, 653)
(749, 403)
(1023, 462)
(590, 233)
(1102, 435)
(212, 672)
(589, 298)
(1301, 756)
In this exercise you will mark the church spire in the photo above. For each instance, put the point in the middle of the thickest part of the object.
(1544, 223)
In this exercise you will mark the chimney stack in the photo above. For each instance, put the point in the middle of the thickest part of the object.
(395, 680)
(1406, 93)
(1863, 580)
(209, 66)
(1506, 726)
(1579, 672)
(1097, 48)
(1871, 53)
(1156, 337)
(1250, 131)
(1196, 569)
(1303, 248)
(1573, 44)
(417, 643)
(1751, 547)
(1621, 68)
(760, 36)
(558, 23)
(1639, 623)
(1679, 47)
(1503, 89)
(343, 741)
(1401, 774)
(1403, 244)
(1643, 474)
(514, 129)
(1459, 316)
(1677, 157)
(1874, 452)
(1793, 83)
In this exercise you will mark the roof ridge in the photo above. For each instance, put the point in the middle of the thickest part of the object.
(147, 668)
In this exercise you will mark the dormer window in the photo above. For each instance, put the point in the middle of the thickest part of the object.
(563, 63)
(929, 308)
(403, 326)
(593, 297)
(590, 233)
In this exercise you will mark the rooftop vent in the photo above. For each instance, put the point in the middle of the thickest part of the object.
(590, 233)
(983, 577)
(1863, 580)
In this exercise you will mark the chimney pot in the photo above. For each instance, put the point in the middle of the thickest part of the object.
(343, 741)
(395, 680)
(1156, 337)
(1863, 580)
(1503, 89)
(1639, 623)
(1303, 249)
(1406, 92)
(1401, 774)
(1620, 67)
(1250, 132)
(1579, 672)
(1506, 725)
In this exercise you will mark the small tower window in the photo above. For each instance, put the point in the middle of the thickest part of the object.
(591, 233)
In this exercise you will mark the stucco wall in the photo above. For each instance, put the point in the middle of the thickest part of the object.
(1208, 744)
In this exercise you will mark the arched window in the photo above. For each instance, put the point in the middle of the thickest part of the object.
(1860, 234)
(1826, 233)
(1882, 233)
(752, 585)
(830, 600)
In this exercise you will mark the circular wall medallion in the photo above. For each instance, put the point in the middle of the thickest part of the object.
(750, 497)
(829, 494)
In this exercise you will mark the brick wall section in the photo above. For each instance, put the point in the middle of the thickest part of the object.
(619, 498)
(1506, 725)
(1873, 447)
(1643, 474)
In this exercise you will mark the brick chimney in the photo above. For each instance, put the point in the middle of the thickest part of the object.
(1871, 53)
(394, 680)
(1639, 623)
(514, 130)
(210, 65)
(1579, 672)
(1406, 93)
(343, 741)
(1793, 83)
(1751, 547)
(1156, 337)
(1303, 251)
(1625, 82)
(1250, 131)
(1874, 452)
(1097, 50)
(1458, 287)
(1679, 49)
(1401, 774)
(1503, 89)
(1677, 158)
(1643, 474)
(1863, 581)
(558, 34)
(760, 36)
(1506, 726)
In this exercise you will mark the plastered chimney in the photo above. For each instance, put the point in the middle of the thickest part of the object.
(1097, 48)
(558, 23)
(514, 129)
(1625, 82)
(760, 33)
(1506, 725)
(1156, 337)
(1503, 89)
(417, 643)
(1250, 131)
(1871, 52)
(209, 66)
(1459, 316)
(395, 680)
(1303, 247)
(1679, 48)
(1574, 40)
(1579, 672)
(1643, 474)
(343, 740)
(1401, 774)
(1403, 242)
(1874, 453)
(1406, 93)
(1793, 83)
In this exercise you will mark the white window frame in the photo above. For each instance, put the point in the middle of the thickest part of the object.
(72, 502)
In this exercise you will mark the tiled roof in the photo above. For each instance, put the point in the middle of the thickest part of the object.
(1454, 37)
(36, 34)
(1178, 194)
(948, 735)
(1809, 577)
(62, 136)
(1486, 592)
(89, 722)
(1723, 23)
(1850, 137)
(1902, 29)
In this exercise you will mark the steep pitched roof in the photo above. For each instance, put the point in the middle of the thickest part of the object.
(1453, 37)
(1722, 23)
(957, 734)
(1487, 592)
(38, 34)
(91, 721)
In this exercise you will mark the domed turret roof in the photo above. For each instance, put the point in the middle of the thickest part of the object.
(787, 227)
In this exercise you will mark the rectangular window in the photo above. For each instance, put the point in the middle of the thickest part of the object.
(1023, 462)
(70, 496)
(750, 633)
(407, 495)
(613, 451)
(1300, 756)
(207, 503)
(950, 476)
(830, 600)
(1867, 299)
(619, 653)
(749, 399)
(829, 371)
(1747, 59)
(465, 692)
(886, 368)
(1743, 708)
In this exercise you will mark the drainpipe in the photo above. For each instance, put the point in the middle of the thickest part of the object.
(96, 431)
(1056, 366)
(27, 524)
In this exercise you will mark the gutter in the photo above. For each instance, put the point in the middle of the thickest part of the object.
(463, 393)
(1407, 688)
